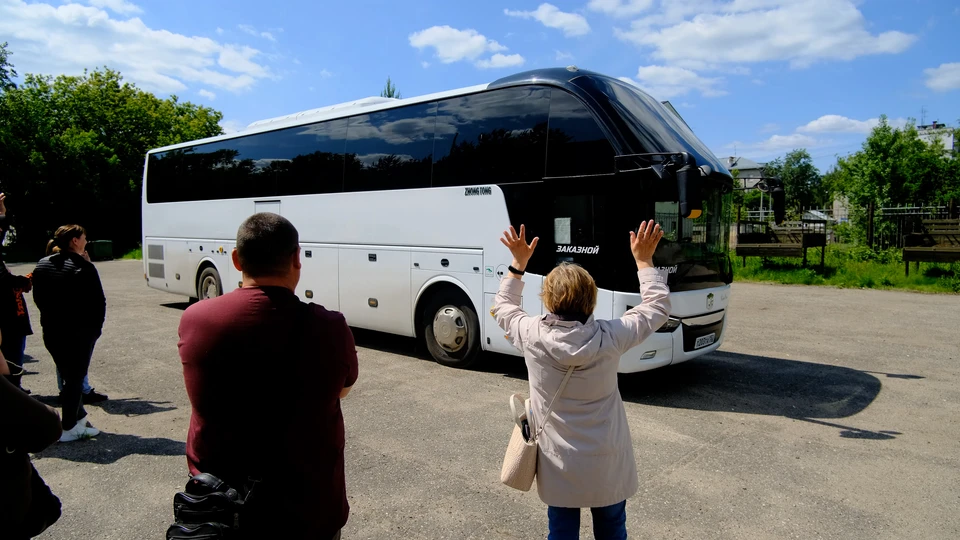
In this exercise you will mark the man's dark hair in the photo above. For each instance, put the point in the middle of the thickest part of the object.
(265, 243)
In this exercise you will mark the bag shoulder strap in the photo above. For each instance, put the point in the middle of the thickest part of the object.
(546, 417)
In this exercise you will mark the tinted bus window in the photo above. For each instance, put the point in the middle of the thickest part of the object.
(299, 160)
(493, 137)
(315, 162)
(576, 145)
(390, 149)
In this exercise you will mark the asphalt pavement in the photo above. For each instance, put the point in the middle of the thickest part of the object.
(826, 414)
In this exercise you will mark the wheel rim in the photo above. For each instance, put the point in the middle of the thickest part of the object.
(209, 287)
(450, 329)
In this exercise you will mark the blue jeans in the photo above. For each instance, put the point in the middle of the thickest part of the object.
(86, 383)
(609, 522)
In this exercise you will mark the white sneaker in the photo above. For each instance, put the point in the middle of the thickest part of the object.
(80, 431)
(90, 431)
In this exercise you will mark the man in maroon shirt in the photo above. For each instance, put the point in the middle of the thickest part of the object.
(292, 441)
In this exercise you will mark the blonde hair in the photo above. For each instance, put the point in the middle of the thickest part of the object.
(570, 291)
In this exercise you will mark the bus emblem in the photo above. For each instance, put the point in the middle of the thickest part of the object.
(710, 301)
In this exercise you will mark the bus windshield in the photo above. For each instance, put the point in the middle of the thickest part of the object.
(588, 221)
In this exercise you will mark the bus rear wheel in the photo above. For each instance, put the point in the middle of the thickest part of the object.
(451, 330)
(208, 286)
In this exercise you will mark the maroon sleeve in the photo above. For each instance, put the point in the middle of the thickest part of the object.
(349, 355)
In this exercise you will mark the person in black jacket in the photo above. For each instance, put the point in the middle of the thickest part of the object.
(27, 506)
(14, 318)
(69, 295)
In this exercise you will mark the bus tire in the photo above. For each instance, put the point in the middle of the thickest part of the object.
(451, 329)
(209, 285)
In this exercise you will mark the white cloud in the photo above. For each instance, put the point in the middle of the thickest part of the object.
(620, 8)
(776, 144)
(219, 31)
(67, 38)
(758, 82)
(425, 64)
(943, 78)
(207, 94)
(701, 34)
(562, 56)
(769, 128)
(117, 6)
(231, 126)
(453, 45)
(665, 82)
(501, 61)
(550, 16)
(325, 74)
(246, 28)
(834, 123)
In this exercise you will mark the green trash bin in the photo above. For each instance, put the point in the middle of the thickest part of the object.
(100, 250)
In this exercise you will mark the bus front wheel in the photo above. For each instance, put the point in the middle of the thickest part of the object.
(208, 286)
(451, 330)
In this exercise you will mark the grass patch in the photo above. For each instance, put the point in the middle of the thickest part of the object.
(851, 267)
(134, 254)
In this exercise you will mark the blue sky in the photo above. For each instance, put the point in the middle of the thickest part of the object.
(754, 78)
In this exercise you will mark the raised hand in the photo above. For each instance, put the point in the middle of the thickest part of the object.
(644, 242)
(517, 244)
(3, 207)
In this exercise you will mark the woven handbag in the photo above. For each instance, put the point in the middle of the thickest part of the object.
(520, 461)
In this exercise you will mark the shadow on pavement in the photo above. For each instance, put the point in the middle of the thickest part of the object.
(182, 306)
(488, 362)
(109, 448)
(133, 406)
(122, 406)
(724, 381)
(720, 381)
(388, 343)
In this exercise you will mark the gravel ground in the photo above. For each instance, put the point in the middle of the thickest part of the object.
(826, 414)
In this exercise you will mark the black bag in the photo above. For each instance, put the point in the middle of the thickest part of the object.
(207, 509)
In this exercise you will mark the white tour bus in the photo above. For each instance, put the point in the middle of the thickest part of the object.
(401, 204)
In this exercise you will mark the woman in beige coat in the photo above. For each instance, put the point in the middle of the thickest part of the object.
(586, 455)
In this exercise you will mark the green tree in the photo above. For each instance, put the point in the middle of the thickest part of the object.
(7, 72)
(389, 90)
(72, 150)
(801, 180)
(895, 167)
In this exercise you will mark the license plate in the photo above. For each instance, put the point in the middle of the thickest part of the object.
(704, 341)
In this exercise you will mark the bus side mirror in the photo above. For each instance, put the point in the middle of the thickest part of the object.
(779, 204)
(689, 183)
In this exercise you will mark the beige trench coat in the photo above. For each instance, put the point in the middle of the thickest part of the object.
(586, 454)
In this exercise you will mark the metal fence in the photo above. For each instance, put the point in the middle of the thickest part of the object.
(890, 224)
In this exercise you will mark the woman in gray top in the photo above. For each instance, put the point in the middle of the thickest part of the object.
(585, 451)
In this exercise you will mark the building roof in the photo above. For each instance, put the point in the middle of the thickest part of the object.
(741, 163)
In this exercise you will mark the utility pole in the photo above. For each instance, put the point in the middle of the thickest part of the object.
(923, 115)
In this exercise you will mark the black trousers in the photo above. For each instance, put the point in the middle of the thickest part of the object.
(71, 353)
(12, 349)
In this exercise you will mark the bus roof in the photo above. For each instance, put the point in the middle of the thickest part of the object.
(556, 77)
